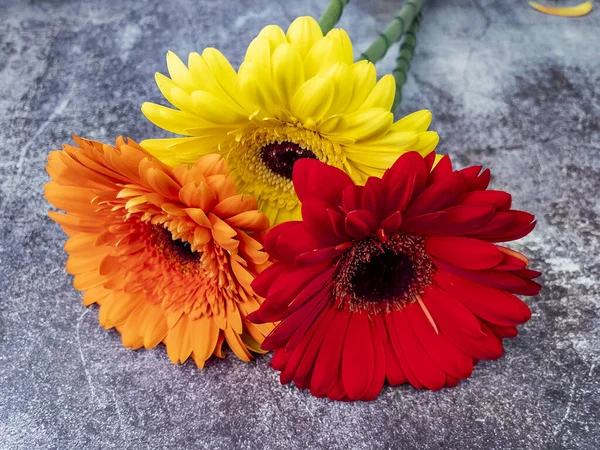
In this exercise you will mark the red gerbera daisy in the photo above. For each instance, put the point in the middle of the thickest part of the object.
(399, 279)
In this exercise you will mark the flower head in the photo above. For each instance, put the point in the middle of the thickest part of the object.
(399, 279)
(168, 254)
(296, 95)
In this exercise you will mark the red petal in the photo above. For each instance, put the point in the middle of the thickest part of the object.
(494, 278)
(280, 359)
(424, 225)
(309, 357)
(311, 309)
(320, 282)
(284, 242)
(446, 356)
(527, 274)
(503, 332)
(464, 252)
(358, 360)
(392, 223)
(445, 193)
(446, 309)
(352, 198)
(510, 262)
(317, 223)
(374, 197)
(500, 199)
(399, 195)
(263, 282)
(451, 381)
(464, 218)
(292, 329)
(428, 373)
(476, 181)
(290, 371)
(393, 371)
(410, 165)
(459, 325)
(337, 392)
(492, 305)
(318, 256)
(361, 224)
(401, 358)
(327, 366)
(441, 170)
(429, 161)
(501, 221)
(338, 221)
(270, 240)
(378, 379)
(314, 179)
(283, 291)
(522, 224)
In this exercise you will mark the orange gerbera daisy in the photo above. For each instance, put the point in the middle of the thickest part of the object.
(167, 253)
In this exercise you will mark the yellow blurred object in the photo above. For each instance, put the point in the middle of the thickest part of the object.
(566, 11)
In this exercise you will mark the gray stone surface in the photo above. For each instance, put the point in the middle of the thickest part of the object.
(510, 88)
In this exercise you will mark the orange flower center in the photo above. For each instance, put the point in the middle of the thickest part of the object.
(176, 252)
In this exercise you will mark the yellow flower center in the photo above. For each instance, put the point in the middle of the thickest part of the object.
(280, 157)
(262, 160)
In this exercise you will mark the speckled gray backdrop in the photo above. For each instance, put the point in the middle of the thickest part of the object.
(509, 87)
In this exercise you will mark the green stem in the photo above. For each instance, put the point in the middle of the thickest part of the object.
(332, 15)
(394, 31)
(407, 50)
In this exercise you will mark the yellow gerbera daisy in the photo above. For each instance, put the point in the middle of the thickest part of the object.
(296, 95)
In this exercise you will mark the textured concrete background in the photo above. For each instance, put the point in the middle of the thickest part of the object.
(509, 87)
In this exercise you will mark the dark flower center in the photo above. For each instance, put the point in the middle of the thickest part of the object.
(175, 251)
(379, 275)
(280, 157)
(385, 277)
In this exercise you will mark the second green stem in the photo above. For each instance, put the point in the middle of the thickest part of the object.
(394, 31)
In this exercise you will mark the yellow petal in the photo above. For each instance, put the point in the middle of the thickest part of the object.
(366, 124)
(313, 99)
(304, 32)
(212, 109)
(220, 69)
(321, 55)
(382, 95)
(417, 121)
(364, 77)
(427, 142)
(287, 72)
(259, 51)
(213, 74)
(343, 45)
(566, 11)
(179, 98)
(339, 74)
(170, 119)
(257, 86)
(179, 72)
(394, 142)
(275, 36)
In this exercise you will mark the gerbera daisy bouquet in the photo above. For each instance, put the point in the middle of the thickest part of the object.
(294, 213)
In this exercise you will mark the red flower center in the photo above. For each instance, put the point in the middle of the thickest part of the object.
(177, 252)
(379, 276)
(280, 157)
